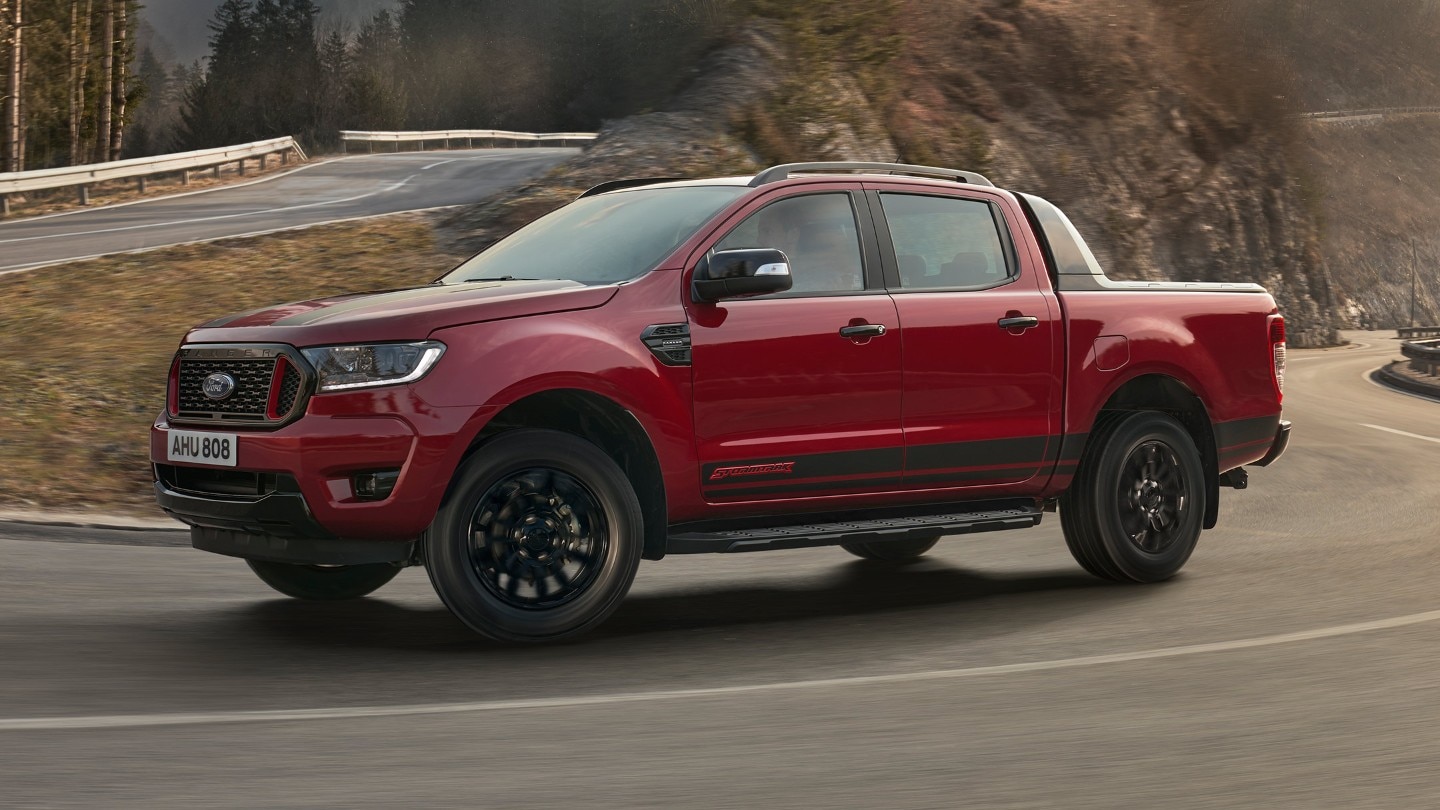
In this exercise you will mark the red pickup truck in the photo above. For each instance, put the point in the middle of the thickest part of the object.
(865, 355)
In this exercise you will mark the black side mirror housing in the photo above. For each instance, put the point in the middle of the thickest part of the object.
(740, 274)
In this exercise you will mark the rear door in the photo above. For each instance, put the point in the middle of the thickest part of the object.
(982, 342)
(785, 405)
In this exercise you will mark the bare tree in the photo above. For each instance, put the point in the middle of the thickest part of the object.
(14, 127)
(118, 86)
(72, 74)
(107, 80)
(79, 148)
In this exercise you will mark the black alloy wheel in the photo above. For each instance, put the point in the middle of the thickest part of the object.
(1135, 509)
(1153, 497)
(325, 583)
(538, 539)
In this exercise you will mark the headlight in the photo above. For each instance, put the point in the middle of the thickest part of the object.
(342, 367)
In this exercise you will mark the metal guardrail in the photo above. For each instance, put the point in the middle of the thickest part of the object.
(1424, 355)
(489, 137)
(142, 168)
(1374, 111)
(1405, 332)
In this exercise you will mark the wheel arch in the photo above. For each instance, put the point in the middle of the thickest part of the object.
(1159, 391)
(608, 425)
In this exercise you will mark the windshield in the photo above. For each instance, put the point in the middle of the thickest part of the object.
(600, 240)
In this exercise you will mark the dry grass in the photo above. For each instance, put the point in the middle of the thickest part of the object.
(85, 347)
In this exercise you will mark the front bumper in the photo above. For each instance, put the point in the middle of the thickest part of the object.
(277, 527)
(307, 469)
(301, 550)
(1277, 447)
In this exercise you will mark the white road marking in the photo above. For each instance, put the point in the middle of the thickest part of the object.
(157, 198)
(281, 715)
(5, 271)
(73, 234)
(1401, 433)
(438, 163)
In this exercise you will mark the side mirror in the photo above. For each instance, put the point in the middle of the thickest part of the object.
(740, 273)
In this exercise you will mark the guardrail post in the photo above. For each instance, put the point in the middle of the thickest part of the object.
(185, 177)
(285, 157)
(262, 162)
(84, 194)
(4, 205)
(140, 183)
(240, 166)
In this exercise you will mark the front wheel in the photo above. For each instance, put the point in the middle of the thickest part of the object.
(539, 538)
(324, 582)
(1135, 509)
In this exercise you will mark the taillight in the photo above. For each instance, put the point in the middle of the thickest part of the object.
(172, 391)
(1277, 353)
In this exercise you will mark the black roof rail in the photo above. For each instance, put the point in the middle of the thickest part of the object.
(616, 185)
(775, 174)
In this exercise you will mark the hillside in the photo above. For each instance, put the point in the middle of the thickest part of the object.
(1379, 216)
(1139, 121)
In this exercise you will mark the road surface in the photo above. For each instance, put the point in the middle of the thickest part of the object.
(357, 186)
(1291, 665)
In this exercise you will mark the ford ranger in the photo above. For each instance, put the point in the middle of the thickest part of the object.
(872, 356)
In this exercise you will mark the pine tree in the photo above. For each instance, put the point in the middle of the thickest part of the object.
(375, 93)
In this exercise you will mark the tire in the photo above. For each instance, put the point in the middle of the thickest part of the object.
(324, 583)
(892, 550)
(1135, 508)
(538, 539)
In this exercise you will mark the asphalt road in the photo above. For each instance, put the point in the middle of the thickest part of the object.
(1291, 665)
(356, 186)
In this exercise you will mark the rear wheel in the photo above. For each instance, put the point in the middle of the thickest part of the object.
(539, 538)
(892, 550)
(1134, 511)
(324, 582)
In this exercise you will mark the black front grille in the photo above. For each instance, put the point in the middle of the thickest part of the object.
(252, 388)
(214, 481)
(289, 389)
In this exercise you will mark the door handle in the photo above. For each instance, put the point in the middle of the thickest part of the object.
(1020, 322)
(864, 330)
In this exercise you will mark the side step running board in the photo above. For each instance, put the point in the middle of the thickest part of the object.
(849, 531)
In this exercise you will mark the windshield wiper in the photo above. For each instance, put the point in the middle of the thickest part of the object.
(499, 278)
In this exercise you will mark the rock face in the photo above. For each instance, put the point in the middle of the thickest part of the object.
(1113, 111)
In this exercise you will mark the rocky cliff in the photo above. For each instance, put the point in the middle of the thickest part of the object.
(1132, 116)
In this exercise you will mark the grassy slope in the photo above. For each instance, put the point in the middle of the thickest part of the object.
(84, 348)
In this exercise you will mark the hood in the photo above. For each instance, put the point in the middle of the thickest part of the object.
(406, 314)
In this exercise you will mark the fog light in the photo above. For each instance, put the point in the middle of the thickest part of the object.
(375, 486)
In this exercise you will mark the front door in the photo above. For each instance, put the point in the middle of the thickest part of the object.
(786, 406)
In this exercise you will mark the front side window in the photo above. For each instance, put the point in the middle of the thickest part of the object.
(816, 232)
(945, 242)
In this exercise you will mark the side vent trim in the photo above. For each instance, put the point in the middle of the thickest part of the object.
(669, 342)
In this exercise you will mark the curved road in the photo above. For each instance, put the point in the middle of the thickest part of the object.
(356, 186)
(1292, 664)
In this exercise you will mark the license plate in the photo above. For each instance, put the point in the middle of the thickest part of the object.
(200, 447)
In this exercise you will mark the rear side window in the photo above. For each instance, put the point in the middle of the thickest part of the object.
(945, 242)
